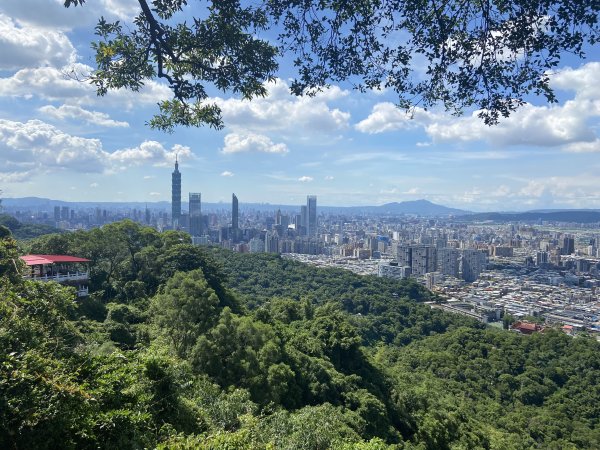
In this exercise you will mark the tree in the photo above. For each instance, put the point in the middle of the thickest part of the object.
(186, 309)
(487, 54)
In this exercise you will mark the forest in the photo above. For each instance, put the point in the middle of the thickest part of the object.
(187, 347)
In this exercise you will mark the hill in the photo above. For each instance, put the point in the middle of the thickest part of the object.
(572, 216)
(413, 207)
(187, 347)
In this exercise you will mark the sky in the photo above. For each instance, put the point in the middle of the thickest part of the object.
(59, 140)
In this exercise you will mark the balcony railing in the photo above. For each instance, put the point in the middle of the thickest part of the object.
(82, 292)
(61, 277)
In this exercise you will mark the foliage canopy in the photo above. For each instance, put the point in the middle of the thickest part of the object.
(488, 54)
(181, 347)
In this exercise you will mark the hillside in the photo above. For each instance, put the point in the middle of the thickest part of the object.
(182, 347)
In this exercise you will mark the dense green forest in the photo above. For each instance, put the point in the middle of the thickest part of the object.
(186, 347)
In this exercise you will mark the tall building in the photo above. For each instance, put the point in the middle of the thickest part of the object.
(541, 258)
(568, 245)
(195, 213)
(311, 220)
(176, 195)
(234, 212)
(423, 259)
(472, 264)
(303, 220)
(448, 261)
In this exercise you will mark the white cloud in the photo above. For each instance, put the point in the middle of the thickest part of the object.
(285, 113)
(251, 142)
(305, 179)
(26, 46)
(48, 147)
(371, 156)
(584, 81)
(533, 189)
(94, 185)
(154, 194)
(576, 191)
(65, 85)
(76, 112)
(226, 173)
(530, 125)
(14, 177)
(584, 147)
(51, 14)
(36, 146)
(150, 152)
(386, 116)
(329, 178)
(543, 126)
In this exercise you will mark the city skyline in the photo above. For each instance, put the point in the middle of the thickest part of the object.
(349, 148)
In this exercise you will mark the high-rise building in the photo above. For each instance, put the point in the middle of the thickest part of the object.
(472, 264)
(195, 202)
(311, 220)
(271, 242)
(423, 259)
(448, 261)
(176, 195)
(568, 245)
(57, 213)
(234, 212)
(303, 220)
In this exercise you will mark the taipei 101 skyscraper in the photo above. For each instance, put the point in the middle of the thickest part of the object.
(176, 195)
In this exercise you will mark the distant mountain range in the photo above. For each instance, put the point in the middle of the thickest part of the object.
(415, 207)
(568, 215)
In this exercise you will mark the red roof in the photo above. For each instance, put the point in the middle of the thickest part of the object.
(33, 260)
(523, 326)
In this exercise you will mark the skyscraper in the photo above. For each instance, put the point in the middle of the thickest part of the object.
(568, 245)
(176, 195)
(311, 221)
(234, 212)
(195, 199)
(303, 220)
(448, 261)
(472, 264)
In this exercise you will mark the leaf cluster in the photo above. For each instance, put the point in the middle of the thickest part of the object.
(485, 54)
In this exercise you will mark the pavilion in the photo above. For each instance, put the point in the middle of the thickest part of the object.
(64, 269)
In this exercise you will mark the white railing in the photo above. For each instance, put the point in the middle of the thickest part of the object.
(82, 292)
(60, 277)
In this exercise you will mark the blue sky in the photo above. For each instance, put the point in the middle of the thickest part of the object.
(59, 140)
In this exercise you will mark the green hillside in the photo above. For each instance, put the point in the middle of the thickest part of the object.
(183, 347)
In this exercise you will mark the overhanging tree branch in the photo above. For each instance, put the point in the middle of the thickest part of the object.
(488, 54)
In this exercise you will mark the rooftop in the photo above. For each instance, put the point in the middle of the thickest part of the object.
(34, 260)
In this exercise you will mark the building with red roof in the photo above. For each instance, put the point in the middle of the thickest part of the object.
(526, 327)
(64, 269)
